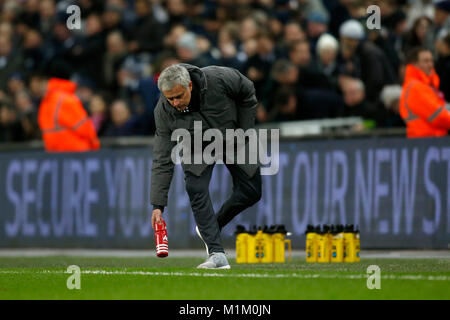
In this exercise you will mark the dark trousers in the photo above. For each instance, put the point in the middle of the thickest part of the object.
(246, 192)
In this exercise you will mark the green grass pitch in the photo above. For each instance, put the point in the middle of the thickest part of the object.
(176, 278)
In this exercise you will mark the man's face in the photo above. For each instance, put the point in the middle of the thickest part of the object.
(425, 62)
(440, 16)
(353, 94)
(348, 47)
(179, 96)
(300, 55)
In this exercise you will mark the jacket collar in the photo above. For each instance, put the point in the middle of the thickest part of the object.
(61, 85)
(197, 75)
(414, 73)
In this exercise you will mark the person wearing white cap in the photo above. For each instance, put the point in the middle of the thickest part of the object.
(364, 60)
(327, 49)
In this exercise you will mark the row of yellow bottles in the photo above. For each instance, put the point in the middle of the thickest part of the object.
(332, 244)
(262, 245)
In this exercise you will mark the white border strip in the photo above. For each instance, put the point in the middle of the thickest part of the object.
(241, 275)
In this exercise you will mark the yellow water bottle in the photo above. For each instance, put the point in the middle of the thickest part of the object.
(323, 249)
(241, 244)
(267, 254)
(311, 244)
(327, 229)
(251, 246)
(357, 245)
(259, 242)
(349, 244)
(337, 244)
(279, 243)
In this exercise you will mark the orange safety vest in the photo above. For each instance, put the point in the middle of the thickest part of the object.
(65, 125)
(422, 106)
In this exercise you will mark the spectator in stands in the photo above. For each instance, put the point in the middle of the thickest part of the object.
(123, 122)
(343, 10)
(443, 63)
(11, 61)
(11, 129)
(417, 9)
(362, 59)
(147, 33)
(356, 104)
(189, 52)
(227, 40)
(88, 51)
(422, 107)
(47, 11)
(176, 10)
(317, 24)
(85, 90)
(59, 46)
(396, 29)
(173, 36)
(33, 53)
(249, 29)
(390, 97)
(112, 19)
(6, 30)
(354, 93)
(309, 7)
(15, 84)
(114, 56)
(421, 34)
(442, 15)
(310, 75)
(37, 83)
(99, 113)
(380, 39)
(293, 31)
(300, 54)
(311, 103)
(327, 50)
(65, 125)
(27, 115)
(285, 106)
(257, 68)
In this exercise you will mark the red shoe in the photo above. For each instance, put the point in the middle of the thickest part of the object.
(162, 245)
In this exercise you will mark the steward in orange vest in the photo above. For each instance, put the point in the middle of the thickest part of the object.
(65, 125)
(422, 106)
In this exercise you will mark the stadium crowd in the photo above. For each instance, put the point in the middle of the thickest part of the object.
(308, 59)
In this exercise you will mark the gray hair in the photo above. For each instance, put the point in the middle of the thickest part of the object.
(173, 75)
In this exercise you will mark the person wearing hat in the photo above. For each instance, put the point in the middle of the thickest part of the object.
(317, 24)
(362, 59)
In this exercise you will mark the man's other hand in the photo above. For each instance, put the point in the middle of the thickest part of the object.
(156, 217)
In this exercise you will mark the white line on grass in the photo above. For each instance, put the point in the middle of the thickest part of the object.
(240, 275)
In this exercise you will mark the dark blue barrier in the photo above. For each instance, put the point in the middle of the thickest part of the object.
(396, 190)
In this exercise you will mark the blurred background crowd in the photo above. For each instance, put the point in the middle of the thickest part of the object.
(308, 59)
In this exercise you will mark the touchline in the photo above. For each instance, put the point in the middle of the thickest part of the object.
(239, 150)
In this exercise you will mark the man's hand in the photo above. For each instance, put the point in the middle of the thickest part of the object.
(156, 217)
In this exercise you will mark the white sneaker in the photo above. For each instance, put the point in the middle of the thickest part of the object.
(216, 260)
(200, 236)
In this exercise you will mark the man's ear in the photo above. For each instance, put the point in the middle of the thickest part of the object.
(190, 86)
